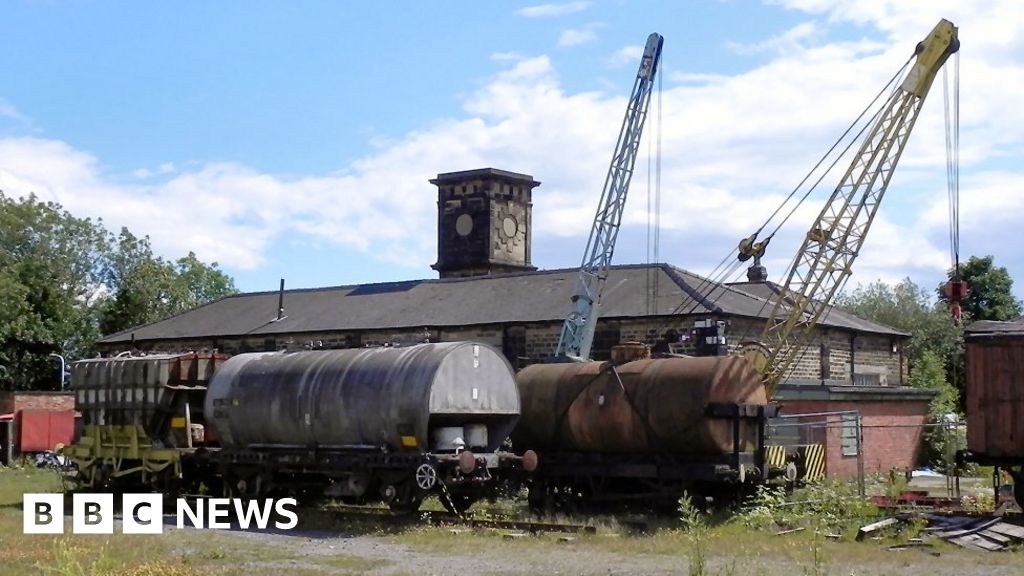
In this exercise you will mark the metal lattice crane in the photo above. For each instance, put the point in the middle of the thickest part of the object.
(578, 331)
(825, 259)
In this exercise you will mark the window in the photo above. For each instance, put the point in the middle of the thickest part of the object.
(850, 434)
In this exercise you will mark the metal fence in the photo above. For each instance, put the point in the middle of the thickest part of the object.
(833, 443)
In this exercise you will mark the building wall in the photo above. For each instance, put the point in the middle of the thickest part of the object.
(33, 400)
(874, 358)
(892, 433)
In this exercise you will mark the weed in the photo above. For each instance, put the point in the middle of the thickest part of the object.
(697, 535)
(819, 561)
(765, 507)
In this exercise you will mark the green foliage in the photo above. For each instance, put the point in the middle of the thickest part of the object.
(64, 280)
(48, 284)
(991, 296)
(943, 438)
(148, 288)
(765, 507)
(697, 535)
(933, 335)
(907, 307)
(824, 505)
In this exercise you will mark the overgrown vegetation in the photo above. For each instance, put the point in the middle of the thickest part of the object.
(65, 280)
(829, 505)
(935, 347)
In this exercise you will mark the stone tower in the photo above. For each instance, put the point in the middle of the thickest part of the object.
(483, 222)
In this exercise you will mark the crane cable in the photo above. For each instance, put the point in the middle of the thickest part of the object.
(953, 160)
(718, 276)
(654, 204)
(854, 140)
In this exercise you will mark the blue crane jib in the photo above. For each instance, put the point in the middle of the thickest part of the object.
(578, 330)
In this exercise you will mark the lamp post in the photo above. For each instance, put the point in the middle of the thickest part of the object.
(62, 366)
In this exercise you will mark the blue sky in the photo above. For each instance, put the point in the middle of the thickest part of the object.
(296, 139)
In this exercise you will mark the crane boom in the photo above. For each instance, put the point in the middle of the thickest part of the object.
(825, 258)
(578, 330)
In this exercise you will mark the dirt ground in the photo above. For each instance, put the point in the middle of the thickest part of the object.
(331, 544)
(438, 550)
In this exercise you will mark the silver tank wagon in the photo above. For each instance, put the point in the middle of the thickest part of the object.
(419, 418)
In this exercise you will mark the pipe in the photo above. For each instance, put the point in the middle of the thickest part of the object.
(280, 301)
(63, 365)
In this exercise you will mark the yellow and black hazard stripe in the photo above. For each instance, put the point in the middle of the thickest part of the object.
(775, 456)
(813, 459)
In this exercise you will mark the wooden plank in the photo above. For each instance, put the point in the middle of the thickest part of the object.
(1008, 530)
(995, 537)
(975, 541)
(865, 530)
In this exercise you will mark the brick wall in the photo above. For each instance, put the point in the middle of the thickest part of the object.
(892, 433)
(29, 400)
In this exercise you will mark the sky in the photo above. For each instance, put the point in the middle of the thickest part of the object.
(295, 140)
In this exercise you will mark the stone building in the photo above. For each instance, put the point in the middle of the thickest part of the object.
(489, 291)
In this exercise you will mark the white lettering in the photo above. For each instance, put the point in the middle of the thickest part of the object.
(144, 513)
(279, 506)
(247, 511)
(194, 515)
(219, 508)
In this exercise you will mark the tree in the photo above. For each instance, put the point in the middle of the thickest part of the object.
(941, 441)
(147, 288)
(907, 307)
(934, 350)
(991, 296)
(63, 279)
(48, 285)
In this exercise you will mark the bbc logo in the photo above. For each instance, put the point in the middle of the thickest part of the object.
(93, 514)
(144, 513)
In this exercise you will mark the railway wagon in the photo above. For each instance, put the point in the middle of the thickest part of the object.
(390, 424)
(995, 398)
(142, 419)
(646, 430)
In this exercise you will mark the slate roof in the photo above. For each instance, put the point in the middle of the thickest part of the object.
(540, 296)
(983, 328)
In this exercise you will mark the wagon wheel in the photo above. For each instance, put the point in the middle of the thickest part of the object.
(426, 477)
(406, 501)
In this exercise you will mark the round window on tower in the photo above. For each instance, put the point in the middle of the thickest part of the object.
(464, 224)
(509, 226)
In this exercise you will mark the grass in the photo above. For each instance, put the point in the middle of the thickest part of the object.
(173, 553)
(727, 543)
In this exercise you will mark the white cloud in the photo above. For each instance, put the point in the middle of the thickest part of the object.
(7, 110)
(733, 146)
(794, 39)
(10, 112)
(506, 56)
(575, 37)
(626, 55)
(549, 10)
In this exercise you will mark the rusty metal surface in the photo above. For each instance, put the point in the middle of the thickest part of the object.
(127, 390)
(369, 396)
(653, 405)
(995, 396)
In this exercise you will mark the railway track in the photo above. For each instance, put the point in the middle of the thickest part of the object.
(440, 518)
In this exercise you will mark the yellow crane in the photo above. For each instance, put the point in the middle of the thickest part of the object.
(825, 259)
